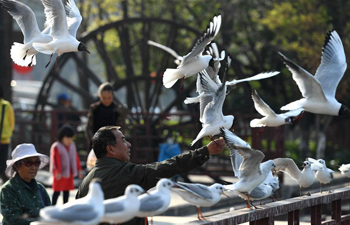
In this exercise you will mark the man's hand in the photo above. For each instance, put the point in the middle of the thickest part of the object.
(216, 146)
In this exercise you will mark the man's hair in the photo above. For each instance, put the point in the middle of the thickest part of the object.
(105, 87)
(103, 137)
(65, 131)
(1, 92)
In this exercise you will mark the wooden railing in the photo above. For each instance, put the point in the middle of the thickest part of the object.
(266, 214)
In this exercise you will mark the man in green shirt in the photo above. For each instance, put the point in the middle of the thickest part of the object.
(116, 172)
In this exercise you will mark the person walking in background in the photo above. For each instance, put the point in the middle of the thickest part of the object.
(64, 163)
(22, 197)
(7, 125)
(105, 112)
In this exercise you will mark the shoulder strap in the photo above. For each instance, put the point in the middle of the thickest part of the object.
(2, 119)
(42, 195)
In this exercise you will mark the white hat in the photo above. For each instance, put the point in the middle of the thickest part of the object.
(23, 151)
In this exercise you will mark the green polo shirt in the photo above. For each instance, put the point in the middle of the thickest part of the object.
(21, 202)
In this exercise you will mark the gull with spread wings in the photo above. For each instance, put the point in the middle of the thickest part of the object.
(194, 61)
(251, 171)
(304, 178)
(319, 91)
(64, 23)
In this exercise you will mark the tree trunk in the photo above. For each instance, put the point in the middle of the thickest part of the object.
(322, 124)
(5, 45)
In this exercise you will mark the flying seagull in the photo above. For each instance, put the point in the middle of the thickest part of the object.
(271, 119)
(319, 91)
(63, 29)
(194, 61)
(24, 54)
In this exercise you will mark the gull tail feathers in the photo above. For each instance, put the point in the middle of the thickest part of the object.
(42, 48)
(293, 105)
(256, 123)
(171, 76)
(200, 135)
(192, 100)
(18, 51)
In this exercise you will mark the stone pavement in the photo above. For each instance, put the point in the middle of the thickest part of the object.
(181, 212)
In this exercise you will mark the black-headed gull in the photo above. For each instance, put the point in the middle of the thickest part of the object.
(88, 210)
(178, 58)
(345, 170)
(304, 178)
(325, 175)
(194, 61)
(319, 91)
(271, 119)
(264, 190)
(123, 208)
(156, 201)
(251, 171)
(63, 29)
(24, 54)
(199, 194)
(212, 117)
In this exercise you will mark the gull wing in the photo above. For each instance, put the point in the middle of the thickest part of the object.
(287, 166)
(24, 17)
(73, 17)
(308, 85)
(151, 203)
(77, 212)
(261, 106)
(199, 190)
(113, 206)
(333, 64)
(203, 41)
(165, 48)
(259, 76)
(55, 17)
(251, 160)
(236, 158)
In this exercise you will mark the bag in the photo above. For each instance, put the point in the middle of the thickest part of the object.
(166, 151)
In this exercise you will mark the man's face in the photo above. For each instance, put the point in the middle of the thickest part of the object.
(122, 149)
(106, 98)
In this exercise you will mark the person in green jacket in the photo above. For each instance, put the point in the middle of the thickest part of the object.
(116, 172)
(7, 120)
(21, 197)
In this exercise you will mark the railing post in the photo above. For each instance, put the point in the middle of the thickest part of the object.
(336, 211)
(316, 213)
(264, 221)
(293, 217)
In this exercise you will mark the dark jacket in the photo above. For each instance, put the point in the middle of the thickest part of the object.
(100, 116)
(116, 175)
(17, 200)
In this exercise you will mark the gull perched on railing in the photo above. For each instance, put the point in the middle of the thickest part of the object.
(199, 194)
(304, 178)
(345, 170)
(271, 119)
(194, 61)
(88, 210)
(319, 91)
(123, 208)
(156, 201)
(325, 175)
(251, 171)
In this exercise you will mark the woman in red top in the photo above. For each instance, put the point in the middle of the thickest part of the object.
(64, 163)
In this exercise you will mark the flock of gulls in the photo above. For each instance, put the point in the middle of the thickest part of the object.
(256, 179)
